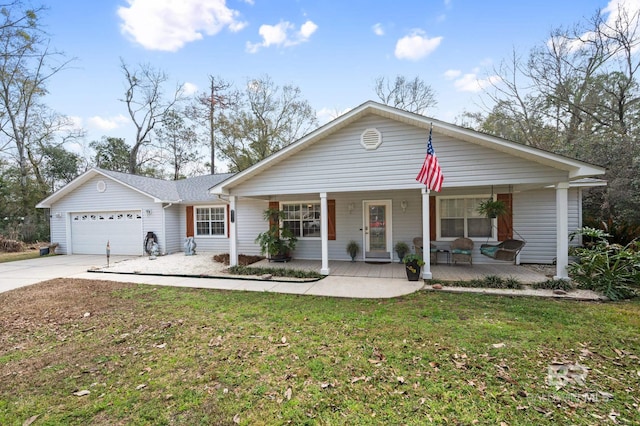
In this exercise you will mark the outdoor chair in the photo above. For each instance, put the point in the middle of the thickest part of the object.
(418, 243)
(507, 250)
(461, 250)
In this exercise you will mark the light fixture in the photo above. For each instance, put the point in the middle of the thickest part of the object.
(148, 211)
(58, 215)
(403, 204)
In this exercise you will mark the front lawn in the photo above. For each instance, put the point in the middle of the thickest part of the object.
(97, 352)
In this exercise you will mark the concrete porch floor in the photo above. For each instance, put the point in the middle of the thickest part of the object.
(396, 270)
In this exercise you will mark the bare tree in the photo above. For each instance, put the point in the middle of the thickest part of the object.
(179, 140)
(411, 95)
(266, 119)
(215, 100)
(146, 105)
(26, 65)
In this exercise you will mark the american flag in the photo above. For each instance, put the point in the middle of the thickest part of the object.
(430, 173)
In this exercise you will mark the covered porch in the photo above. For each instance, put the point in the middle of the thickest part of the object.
(442, 272)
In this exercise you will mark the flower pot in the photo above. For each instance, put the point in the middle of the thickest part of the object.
(413, 271)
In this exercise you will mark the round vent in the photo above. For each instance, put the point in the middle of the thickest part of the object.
(371, 139)
(101, 186)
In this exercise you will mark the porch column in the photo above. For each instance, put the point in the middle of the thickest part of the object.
(426, 269)
(562, 230)
(233, 231)
(324, 233)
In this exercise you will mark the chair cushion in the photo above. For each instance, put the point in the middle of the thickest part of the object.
(460, 251)
(489, 250)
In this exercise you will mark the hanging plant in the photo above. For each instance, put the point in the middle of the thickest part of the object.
(492, 208)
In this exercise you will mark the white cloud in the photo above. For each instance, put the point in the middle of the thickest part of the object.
(169, 24)
(283, 34)
(452, 74)
(189, 89)
(107, 123)
(378, 29)
(416, 46)
(471, 83)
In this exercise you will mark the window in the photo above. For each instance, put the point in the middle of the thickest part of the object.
(302, 219)
(459, 217)
(211, 221)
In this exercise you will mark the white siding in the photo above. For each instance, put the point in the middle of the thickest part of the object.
(174, 238)
(339, 163)
(535, 220)
(250, 224)
(116, 197)
(204, 244)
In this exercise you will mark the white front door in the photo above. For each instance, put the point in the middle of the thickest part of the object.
(377, 230)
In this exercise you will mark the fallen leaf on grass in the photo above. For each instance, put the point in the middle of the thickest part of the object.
(236, 419)
(287, 394)
(30, 420)
(357, 379)
(400, 380)
(82, 393)
(142, 386)
(498, 345)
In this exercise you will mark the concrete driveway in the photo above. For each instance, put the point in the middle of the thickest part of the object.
(26, 272)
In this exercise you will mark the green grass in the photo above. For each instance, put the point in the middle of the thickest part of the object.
(265, 358)
(12, 257)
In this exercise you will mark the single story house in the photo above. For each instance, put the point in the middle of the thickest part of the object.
(351, 179)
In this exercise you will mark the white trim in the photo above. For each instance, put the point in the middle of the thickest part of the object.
(494, 222)
(324, 232)
(426, 234)
(233, 232)
(300, 203)
(388, 203)
(195, 222)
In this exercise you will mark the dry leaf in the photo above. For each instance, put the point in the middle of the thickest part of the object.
(161, 346)
(283, 340)
(30, 420)
(82, 393)
(287, 394)
(400, 380)
(357, 379)
(142, 386)
(498, 345)
(236, 419)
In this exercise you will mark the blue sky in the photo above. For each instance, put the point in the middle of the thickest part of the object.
(333, 50)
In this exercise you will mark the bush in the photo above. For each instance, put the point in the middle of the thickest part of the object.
(490, 281)
(276, 272)
(565, 285)
(10, 246)
(611, 269)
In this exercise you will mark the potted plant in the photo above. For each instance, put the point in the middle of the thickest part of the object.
(413, 265)
(353, 249)
(401, 249)
(492, 208)
(277, 242)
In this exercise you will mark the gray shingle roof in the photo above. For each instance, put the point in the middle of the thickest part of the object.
(193, 189)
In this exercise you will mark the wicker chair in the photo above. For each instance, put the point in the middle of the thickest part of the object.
(418, 243)
(461, 251)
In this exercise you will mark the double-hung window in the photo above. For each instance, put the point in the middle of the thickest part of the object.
(211, 221)
(302, 219)
(459, 217)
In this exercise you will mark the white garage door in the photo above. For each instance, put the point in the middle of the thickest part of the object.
(90, 232)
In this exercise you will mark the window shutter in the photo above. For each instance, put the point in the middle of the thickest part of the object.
(432, 218)
(331, 218)
(274, 205)
(190, 232)
(505, 222)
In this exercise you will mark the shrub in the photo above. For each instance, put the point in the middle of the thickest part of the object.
(276, 272)
(10, 246)
(611, 269)
(489, 281)
(565, 285)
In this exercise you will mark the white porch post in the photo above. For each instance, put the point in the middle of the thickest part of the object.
(233, 231)
(324, 233)
(562, 230)
(426, 269)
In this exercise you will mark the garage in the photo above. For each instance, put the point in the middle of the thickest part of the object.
(90, 232)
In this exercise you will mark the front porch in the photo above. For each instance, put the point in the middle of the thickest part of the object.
(523, 274)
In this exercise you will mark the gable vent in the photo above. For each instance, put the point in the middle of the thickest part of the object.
(371, 139)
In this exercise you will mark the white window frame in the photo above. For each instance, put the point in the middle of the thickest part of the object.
(301, 203)
(224, 221)
(494, 222)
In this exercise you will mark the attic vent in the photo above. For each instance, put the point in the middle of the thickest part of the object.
(371, 139)
(101, 186)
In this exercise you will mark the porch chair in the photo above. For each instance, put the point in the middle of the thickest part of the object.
(507, 250)
(418, 243)
(461, 250)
